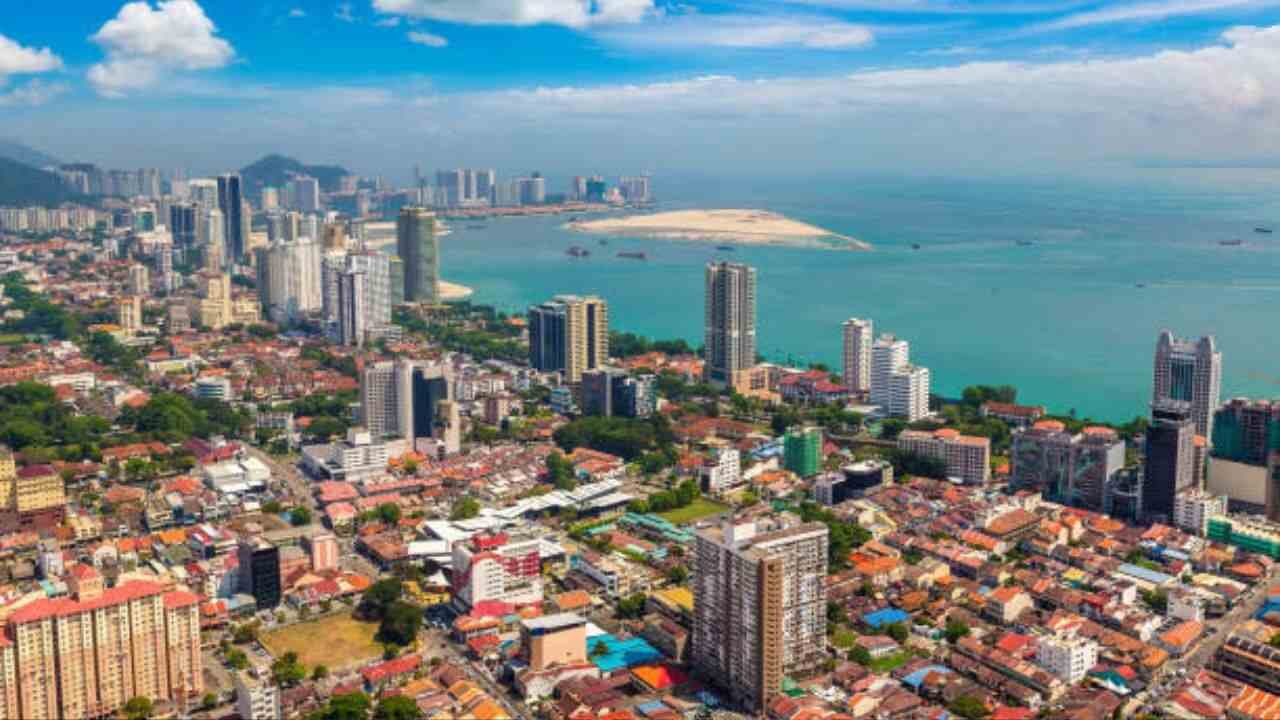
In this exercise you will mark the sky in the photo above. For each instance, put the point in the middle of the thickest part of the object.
(787, 87)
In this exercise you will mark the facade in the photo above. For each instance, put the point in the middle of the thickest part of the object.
(129, 313)
(289, 279)
(231, 205)
(858, 337)
(610, 392)
(1170, 457)
(1248, 535)
(1193, 508)
(418, 246)
(1072, 469)
(497, 568)
(1247, 431)
(1068, 657)
(554, 640)
(570, 335)
(39, 490)
(260, 571)
(968, 458)
(802, 451)
(410, 399)
(257, 696)
(1188, 371)
(888, 356)
(759, 605)
(852, 481)
(909, 393)
(725, 473)
(324, 552)
(87, 654)
(730, 320)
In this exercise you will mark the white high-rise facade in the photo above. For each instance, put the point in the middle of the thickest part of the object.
(857, 355)
(289, 279)
(909, 393)
(1189, 371)
(888, 355)
(1067, 657)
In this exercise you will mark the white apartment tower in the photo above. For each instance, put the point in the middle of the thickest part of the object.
(1189, 371)
(759, 604)
(730, 320)
(888, 355)
(857, 355)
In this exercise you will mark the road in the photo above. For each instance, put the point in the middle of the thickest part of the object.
(298, 484)
(477, 673)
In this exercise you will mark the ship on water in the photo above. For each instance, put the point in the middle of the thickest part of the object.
(633, 255)
(1231, 243)
(577, 251)
(726, 248)
(1262, 230)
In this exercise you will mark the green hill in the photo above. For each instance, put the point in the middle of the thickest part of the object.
(22, 185)
(275, 170)
(18, 152)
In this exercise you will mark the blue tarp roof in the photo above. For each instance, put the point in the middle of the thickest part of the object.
(622, 653)
(886, 616)
(917, 677)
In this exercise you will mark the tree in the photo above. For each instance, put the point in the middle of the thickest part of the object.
(349, 706)
(678, 574)
(955, 630)
(209, 701)
(599, 649)
(464, 509)
(560, 471)
(969, 708)
(300, 516)
(400, 624)
(319, 672)
(326, 427)
(287, 671)
(237, 659)
(631, 606)
(860, 655)
(379, 598)
(397, 707)
(389, 513)
(245, 633)
(138, 708)
(1275, 640)
(897, 631)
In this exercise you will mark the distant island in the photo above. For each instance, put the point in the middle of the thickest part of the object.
(742, 227)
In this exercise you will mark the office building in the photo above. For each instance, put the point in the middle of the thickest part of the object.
(730, 321)
(183, 228)
(304, 192)
(211, 237)
(802, 451)
(231, 203)
(1247, 431)
(410, 399)
(1170, 455)
(760, 598)
(352, 327)
(858, 338)
(1071, 469)
(852, 481)
(570, 335)
(139, 280)
(260, 571)
(888, 356)
(87, 653)
(553, 640)
(635, 189)
(1067, 656)
(1193, 508)
(1188, 371)
(497, 567)
(610, 392)
(418, 247)
(968, 458)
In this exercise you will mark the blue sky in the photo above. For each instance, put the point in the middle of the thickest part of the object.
(785, 85)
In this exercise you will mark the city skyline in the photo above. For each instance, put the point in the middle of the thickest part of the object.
(1071, 85)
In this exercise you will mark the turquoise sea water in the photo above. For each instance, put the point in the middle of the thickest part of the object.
(1062, 319)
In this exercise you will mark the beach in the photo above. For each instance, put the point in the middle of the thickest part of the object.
(729, 227)
(453, 292)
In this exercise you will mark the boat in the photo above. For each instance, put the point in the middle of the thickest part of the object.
(633, 255)
(603, 241)
(1024, 243)
(1231, 243)
(915, 246)
(475, 227)
(1262, 230)
(1140, 285)
(726, 248)
(577, 251)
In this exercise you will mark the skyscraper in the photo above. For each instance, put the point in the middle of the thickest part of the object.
(352, 318)
(231, 203)
(260, 571)
(888, 356)
(569, 334)
(730, 315)
(182, 225)
(419, 249)
(1189, 371)
(857, 355)
(1170, 458)
(410, 399)
(289, 279)
(759, 604)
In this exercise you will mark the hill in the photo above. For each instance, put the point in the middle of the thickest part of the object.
(275, 170)
(22, 185)
(18, 152)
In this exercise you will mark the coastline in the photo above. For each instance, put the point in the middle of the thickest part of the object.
(725, 226)
(453, 292)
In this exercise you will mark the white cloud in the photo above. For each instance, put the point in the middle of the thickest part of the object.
(571, 13)
(1146, 12)
(297, 13)
(16, 59)
(428, 39)
(145, 43)
(34, 92)
(343, 12)
(389, 22)
(742, 31)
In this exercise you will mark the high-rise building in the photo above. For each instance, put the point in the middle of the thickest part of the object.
(1066, 468)
(129, 313)
(730, 320)
(183, 225)
(858, 338)
(418, 247)
(410, 399)
(1247, 431)
(909, 393)
(888, 356)
(611, 392)
(352, 313)
(569, 334)
(802, 451)
(578, 188)
(760, 601)
(289, 283)
(305, 193)
(88, 653)
(260, 571)
(356, 296)
(635, 189)
(231, 203)
(451, 187)
(1170, 455)
(498, 567)
(1189, 371)
(139, 280)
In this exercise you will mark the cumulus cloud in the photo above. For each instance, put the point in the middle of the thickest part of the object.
(571, 13)
(144, 43)
(742, 31)
(34, 92)
(428, 39)
(17, 60)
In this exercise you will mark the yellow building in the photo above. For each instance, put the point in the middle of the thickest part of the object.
(246, 310)
(39, 488)
(129, 312)
(212, 308)
(8, 474)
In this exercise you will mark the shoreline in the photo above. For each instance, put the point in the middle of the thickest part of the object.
(453, 292)
(725, 226)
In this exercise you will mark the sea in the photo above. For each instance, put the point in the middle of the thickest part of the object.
(1057, 286)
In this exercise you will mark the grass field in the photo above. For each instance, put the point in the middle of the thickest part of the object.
(695, 510)
(335, 641)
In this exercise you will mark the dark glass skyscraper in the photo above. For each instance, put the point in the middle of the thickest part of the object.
(419, 249)
(231, 203)
(1170, 458)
